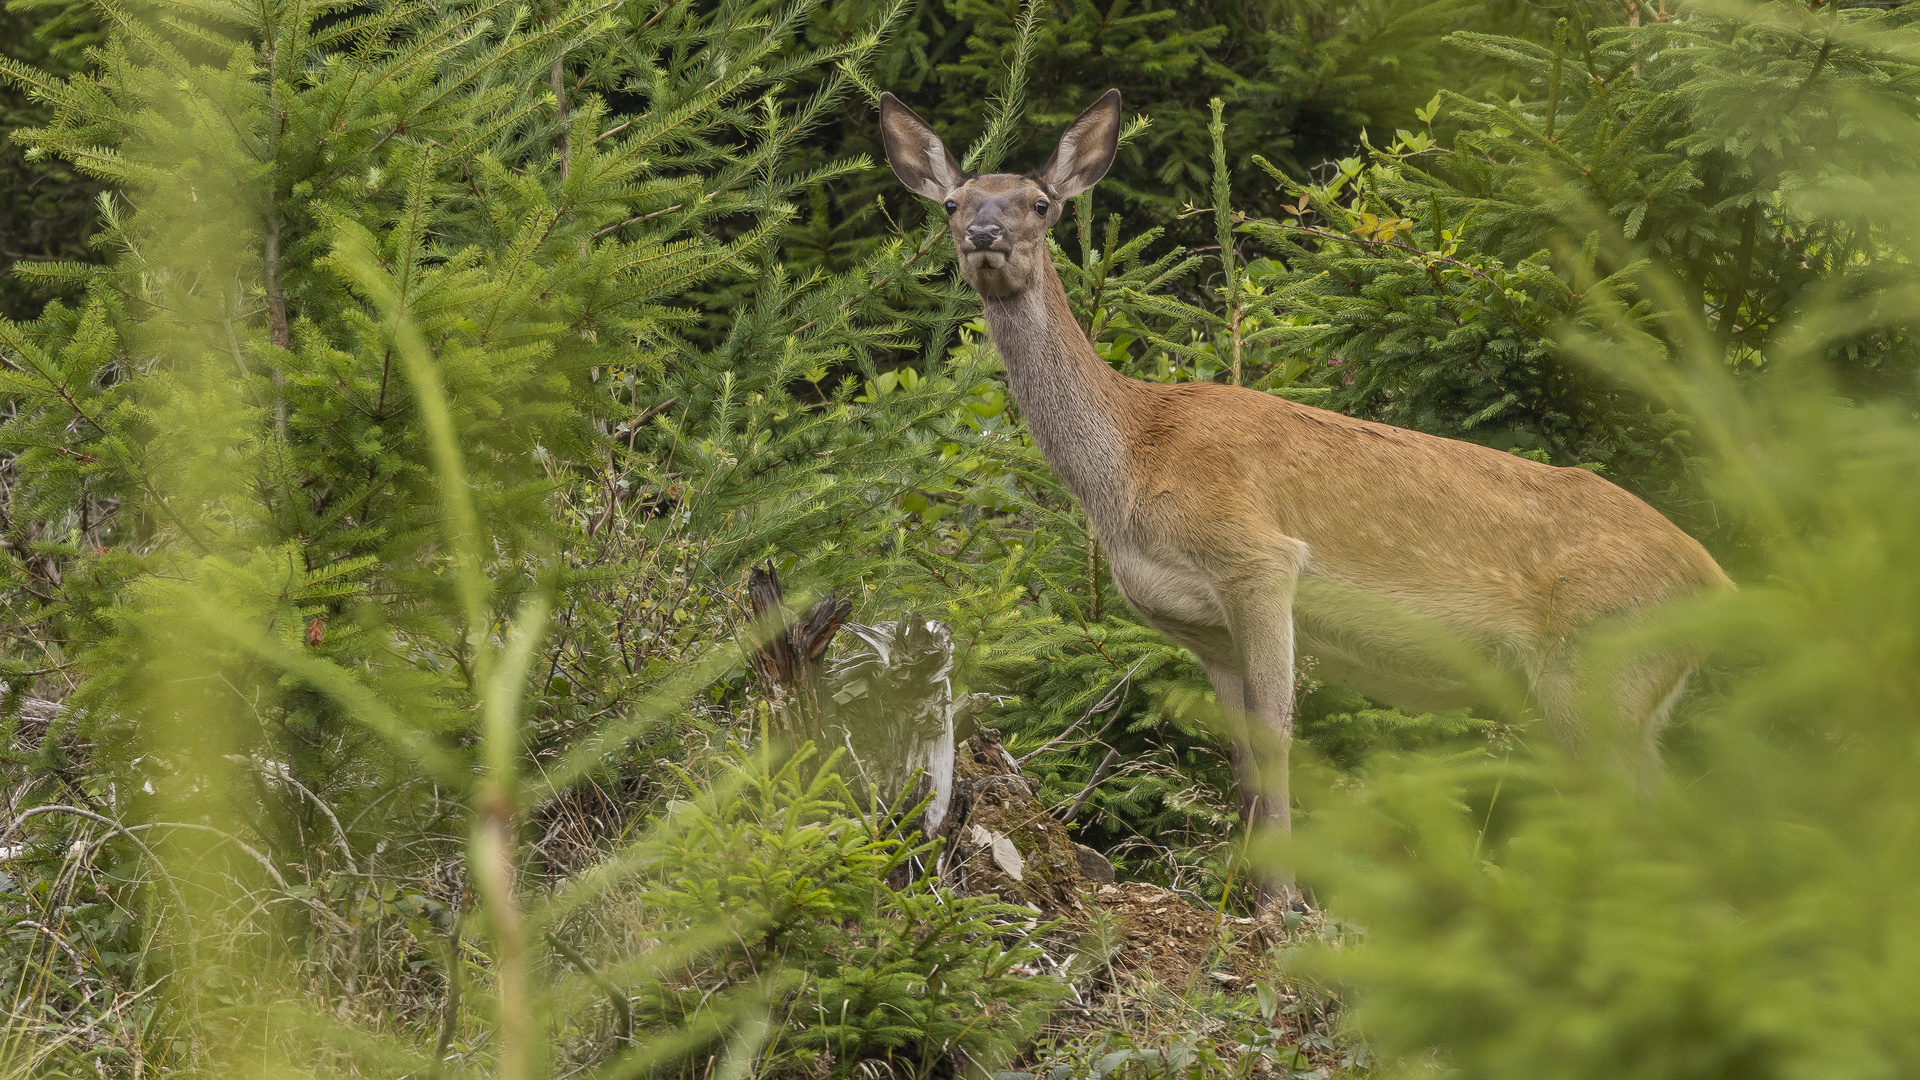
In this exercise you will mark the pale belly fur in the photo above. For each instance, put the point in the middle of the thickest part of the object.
(1165, 590)
(1333, 641)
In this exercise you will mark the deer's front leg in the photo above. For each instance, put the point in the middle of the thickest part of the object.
(1230, 689)
(1259, 611)
(1260, 618)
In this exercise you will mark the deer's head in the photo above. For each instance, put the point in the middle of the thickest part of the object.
(999, 221)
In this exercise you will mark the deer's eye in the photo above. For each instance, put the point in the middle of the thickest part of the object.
(1040, 207)
(952, 206)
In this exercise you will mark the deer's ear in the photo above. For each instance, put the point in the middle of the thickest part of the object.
(1086, 150)
(917, 155)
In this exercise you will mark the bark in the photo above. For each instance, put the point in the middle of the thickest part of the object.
(891, 702)
(790, 660)
(1001, 839)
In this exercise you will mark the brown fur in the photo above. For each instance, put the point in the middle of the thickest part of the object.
(1236, 520)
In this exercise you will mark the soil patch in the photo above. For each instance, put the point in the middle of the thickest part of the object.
(1175, 941)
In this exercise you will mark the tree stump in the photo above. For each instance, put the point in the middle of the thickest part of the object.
(1002, 839)
(886, 695)
(790, 659)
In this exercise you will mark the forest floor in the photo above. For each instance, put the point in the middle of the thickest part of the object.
(1185, 990)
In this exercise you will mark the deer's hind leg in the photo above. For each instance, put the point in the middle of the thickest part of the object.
(1645, 694)
(1623, 717)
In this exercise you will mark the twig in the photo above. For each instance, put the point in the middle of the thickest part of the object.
(622, 1007)
(78, 962)
(450, 1016)
(655, 17)
(284, 775)
(1106, 702)
(1086, 793)
(638, 217)
(193, 955)
(644, 418)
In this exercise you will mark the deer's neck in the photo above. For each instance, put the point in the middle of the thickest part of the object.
(1071, 400)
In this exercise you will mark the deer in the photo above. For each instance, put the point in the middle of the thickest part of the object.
(1256, 531)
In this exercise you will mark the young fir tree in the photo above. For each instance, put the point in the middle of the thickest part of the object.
(1744, 916)
(230, 402)
(1444, 274)
(395, 353)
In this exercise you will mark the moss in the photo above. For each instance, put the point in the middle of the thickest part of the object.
(992, 800)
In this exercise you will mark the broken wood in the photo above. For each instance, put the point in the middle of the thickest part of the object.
(886, 696)
(891, 700)
(791, 655)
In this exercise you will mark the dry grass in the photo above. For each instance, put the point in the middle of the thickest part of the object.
(1164, 987)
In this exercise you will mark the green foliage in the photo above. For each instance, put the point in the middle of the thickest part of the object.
(1254, 1035)
(693, 403)
(1302, 78)
(1305, 76)
(1439, 275)
(787, 880)
(391, 323)
(1738, 917)
(46, 207)
(270, 423)
(376, 511)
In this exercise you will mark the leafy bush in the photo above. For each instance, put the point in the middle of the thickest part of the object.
(784, 881)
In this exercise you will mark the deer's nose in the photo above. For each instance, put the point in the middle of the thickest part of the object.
(983, 236)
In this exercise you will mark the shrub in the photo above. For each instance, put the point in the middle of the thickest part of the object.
(783, 882)
(1749, 914)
